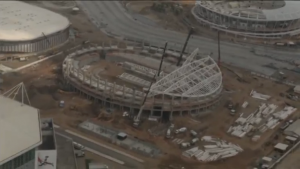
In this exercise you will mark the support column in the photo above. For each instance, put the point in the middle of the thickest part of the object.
(98, 84)
(181, 103)
(162, 111)
(133, 100)
(91, 80)
(171, 114)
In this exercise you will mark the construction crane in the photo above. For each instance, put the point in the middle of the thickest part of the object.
(51, 46)
(184, 46)
(219, 52)
(137, 119)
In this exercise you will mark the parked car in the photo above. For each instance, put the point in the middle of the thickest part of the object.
(285, 125)
(78, 146)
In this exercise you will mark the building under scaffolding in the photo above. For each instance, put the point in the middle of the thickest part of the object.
(191, 88)
(256, 19)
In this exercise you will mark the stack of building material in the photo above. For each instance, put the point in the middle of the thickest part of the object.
(283, 114)
(272, 123)
(270, 108)
(246, 124)
(191, 152)
(213, 152)
(257, 95)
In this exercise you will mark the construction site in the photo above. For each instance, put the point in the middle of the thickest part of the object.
(171, 109)
(118, 78)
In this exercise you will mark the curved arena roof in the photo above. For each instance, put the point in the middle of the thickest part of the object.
(289, 11)
(20, 21)
(195, 78)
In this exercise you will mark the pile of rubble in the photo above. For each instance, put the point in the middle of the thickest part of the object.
(220, 149)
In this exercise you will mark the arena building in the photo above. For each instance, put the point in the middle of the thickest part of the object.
(25, 28)
(257, 19)
(122, 76)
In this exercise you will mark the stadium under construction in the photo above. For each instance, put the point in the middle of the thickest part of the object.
(121, 77)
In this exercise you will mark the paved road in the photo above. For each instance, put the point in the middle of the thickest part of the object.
(129, 163)
(115, 19)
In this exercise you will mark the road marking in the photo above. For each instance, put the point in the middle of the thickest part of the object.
(105, 146)
(96, 152)
(105, 156)
(64, 136)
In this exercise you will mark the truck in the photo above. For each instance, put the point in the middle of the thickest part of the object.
(181, 130)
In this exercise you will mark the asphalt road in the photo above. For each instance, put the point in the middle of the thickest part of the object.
(129, 163)
(114, 18)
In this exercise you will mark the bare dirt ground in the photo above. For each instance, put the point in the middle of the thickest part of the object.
(45, 89)
(44, 92)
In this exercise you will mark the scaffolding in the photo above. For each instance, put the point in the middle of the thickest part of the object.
(202, 76)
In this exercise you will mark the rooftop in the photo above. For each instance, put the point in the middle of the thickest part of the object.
(19, 129)
(20, 21)
(255, 10)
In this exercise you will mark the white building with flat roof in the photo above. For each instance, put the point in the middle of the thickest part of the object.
(20, 134)
(26, 28)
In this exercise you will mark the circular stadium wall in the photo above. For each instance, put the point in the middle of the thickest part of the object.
(257, 19)
(34, 29)
(191, 88)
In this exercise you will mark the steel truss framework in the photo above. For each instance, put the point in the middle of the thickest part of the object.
(195, 78)
(194, 87)
(205, 12)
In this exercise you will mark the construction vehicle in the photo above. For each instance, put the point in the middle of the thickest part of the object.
(181, 130)
(136, 119)
(193, 133)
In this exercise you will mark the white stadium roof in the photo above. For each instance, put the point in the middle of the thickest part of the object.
(19, 129)
(290, 11)
(20, 21)
(195, 78)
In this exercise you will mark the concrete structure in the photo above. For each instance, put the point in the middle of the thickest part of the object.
(259, 19)
(192, 88)
(20, 134)
(28, 29)
(293, 129)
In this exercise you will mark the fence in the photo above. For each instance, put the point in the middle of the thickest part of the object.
(289, 83)
(130, 143)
